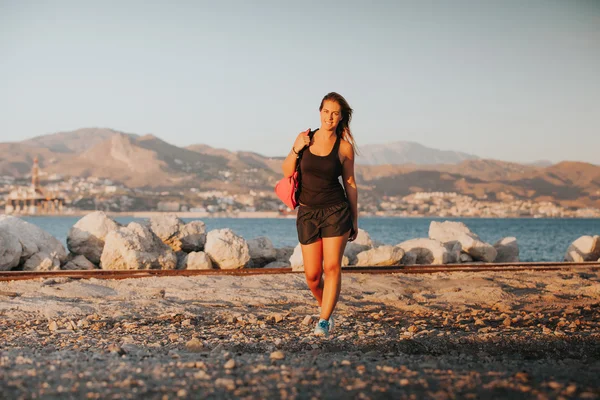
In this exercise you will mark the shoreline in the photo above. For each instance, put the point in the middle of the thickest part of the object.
(276, 215)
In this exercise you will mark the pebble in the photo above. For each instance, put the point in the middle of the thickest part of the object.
(276, 317)
(277, 355)
(194, 345)
(229, 364)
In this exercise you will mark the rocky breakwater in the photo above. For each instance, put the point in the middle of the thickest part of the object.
(166, 242)
(162, 242)
(448, 243)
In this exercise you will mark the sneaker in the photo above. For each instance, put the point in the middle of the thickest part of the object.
(322, 328)
(330, 320)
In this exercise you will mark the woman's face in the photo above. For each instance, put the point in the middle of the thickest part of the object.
(331, 115)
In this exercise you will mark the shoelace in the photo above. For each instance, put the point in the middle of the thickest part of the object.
(324, 325)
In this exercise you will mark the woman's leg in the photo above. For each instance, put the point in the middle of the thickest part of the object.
(312, 255)
(333, 251)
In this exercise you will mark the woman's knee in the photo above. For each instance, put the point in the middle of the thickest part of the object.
(313, 277)
(331, 268)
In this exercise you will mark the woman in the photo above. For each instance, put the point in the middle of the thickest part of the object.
(328, 214)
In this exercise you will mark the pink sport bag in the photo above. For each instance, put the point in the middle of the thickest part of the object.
(287, 189)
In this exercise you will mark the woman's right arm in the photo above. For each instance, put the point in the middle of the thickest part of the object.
(289, 164)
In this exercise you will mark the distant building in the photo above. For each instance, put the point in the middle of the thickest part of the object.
(33, 199)
(168, 206)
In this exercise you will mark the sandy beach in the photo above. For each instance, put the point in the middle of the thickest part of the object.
(459, 335)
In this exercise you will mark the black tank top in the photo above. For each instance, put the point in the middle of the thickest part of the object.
(319, 179)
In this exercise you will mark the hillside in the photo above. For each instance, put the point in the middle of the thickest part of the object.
(148, 161)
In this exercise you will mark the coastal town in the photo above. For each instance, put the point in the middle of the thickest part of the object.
(75, 195)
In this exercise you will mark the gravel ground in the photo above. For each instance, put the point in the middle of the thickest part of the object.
(406, 348)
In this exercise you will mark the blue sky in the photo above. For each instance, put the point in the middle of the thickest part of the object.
(512, 80)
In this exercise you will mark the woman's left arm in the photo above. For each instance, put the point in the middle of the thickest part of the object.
(350, 183)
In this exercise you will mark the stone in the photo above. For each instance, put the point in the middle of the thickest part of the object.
(352, 249)
(78, 263)
(284, 254)
(48, 251)
(194, 345)
(454, 250)
(452, 231)
(198, 260)
(479, 250)
(88, 235)
(465, 258)
(230, 364)
(276, 317)
(226, 249)
(345, 261)
(585, 248)
(52, 326)
(410, 258)
(177, 234)
(262, 251)
(380, 256)
(42, 262)
(296, 260)
(448, 231)
(136, 247)
(181, 259)
(10, 250)
(507, 249)
(428, 251)
(277, 355)
(363, 238)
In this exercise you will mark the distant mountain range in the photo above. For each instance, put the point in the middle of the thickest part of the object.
(399, 168)
(408, 153)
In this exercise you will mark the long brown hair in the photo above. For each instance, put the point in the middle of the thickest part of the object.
(343, 128)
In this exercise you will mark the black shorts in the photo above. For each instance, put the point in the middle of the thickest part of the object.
(314, 223)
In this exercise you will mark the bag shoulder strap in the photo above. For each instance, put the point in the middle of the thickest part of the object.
(310, 136)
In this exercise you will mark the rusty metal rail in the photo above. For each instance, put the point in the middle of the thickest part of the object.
(410, 269)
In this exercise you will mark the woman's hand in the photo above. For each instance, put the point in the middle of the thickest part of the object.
(301, 141)
(353, 232)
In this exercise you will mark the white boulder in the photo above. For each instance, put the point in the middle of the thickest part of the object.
(353, 249)
(380, 256)
(262, 251)
(198, 260)
(447, 231)
(136, 247)
(428, 251)
(363, 238)
(451, 231)
(177, 234)
(226, 249)
(87, 236)
(296, 261)
(39, 249)
(10, 250)
(585, 248)
(507, 249)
